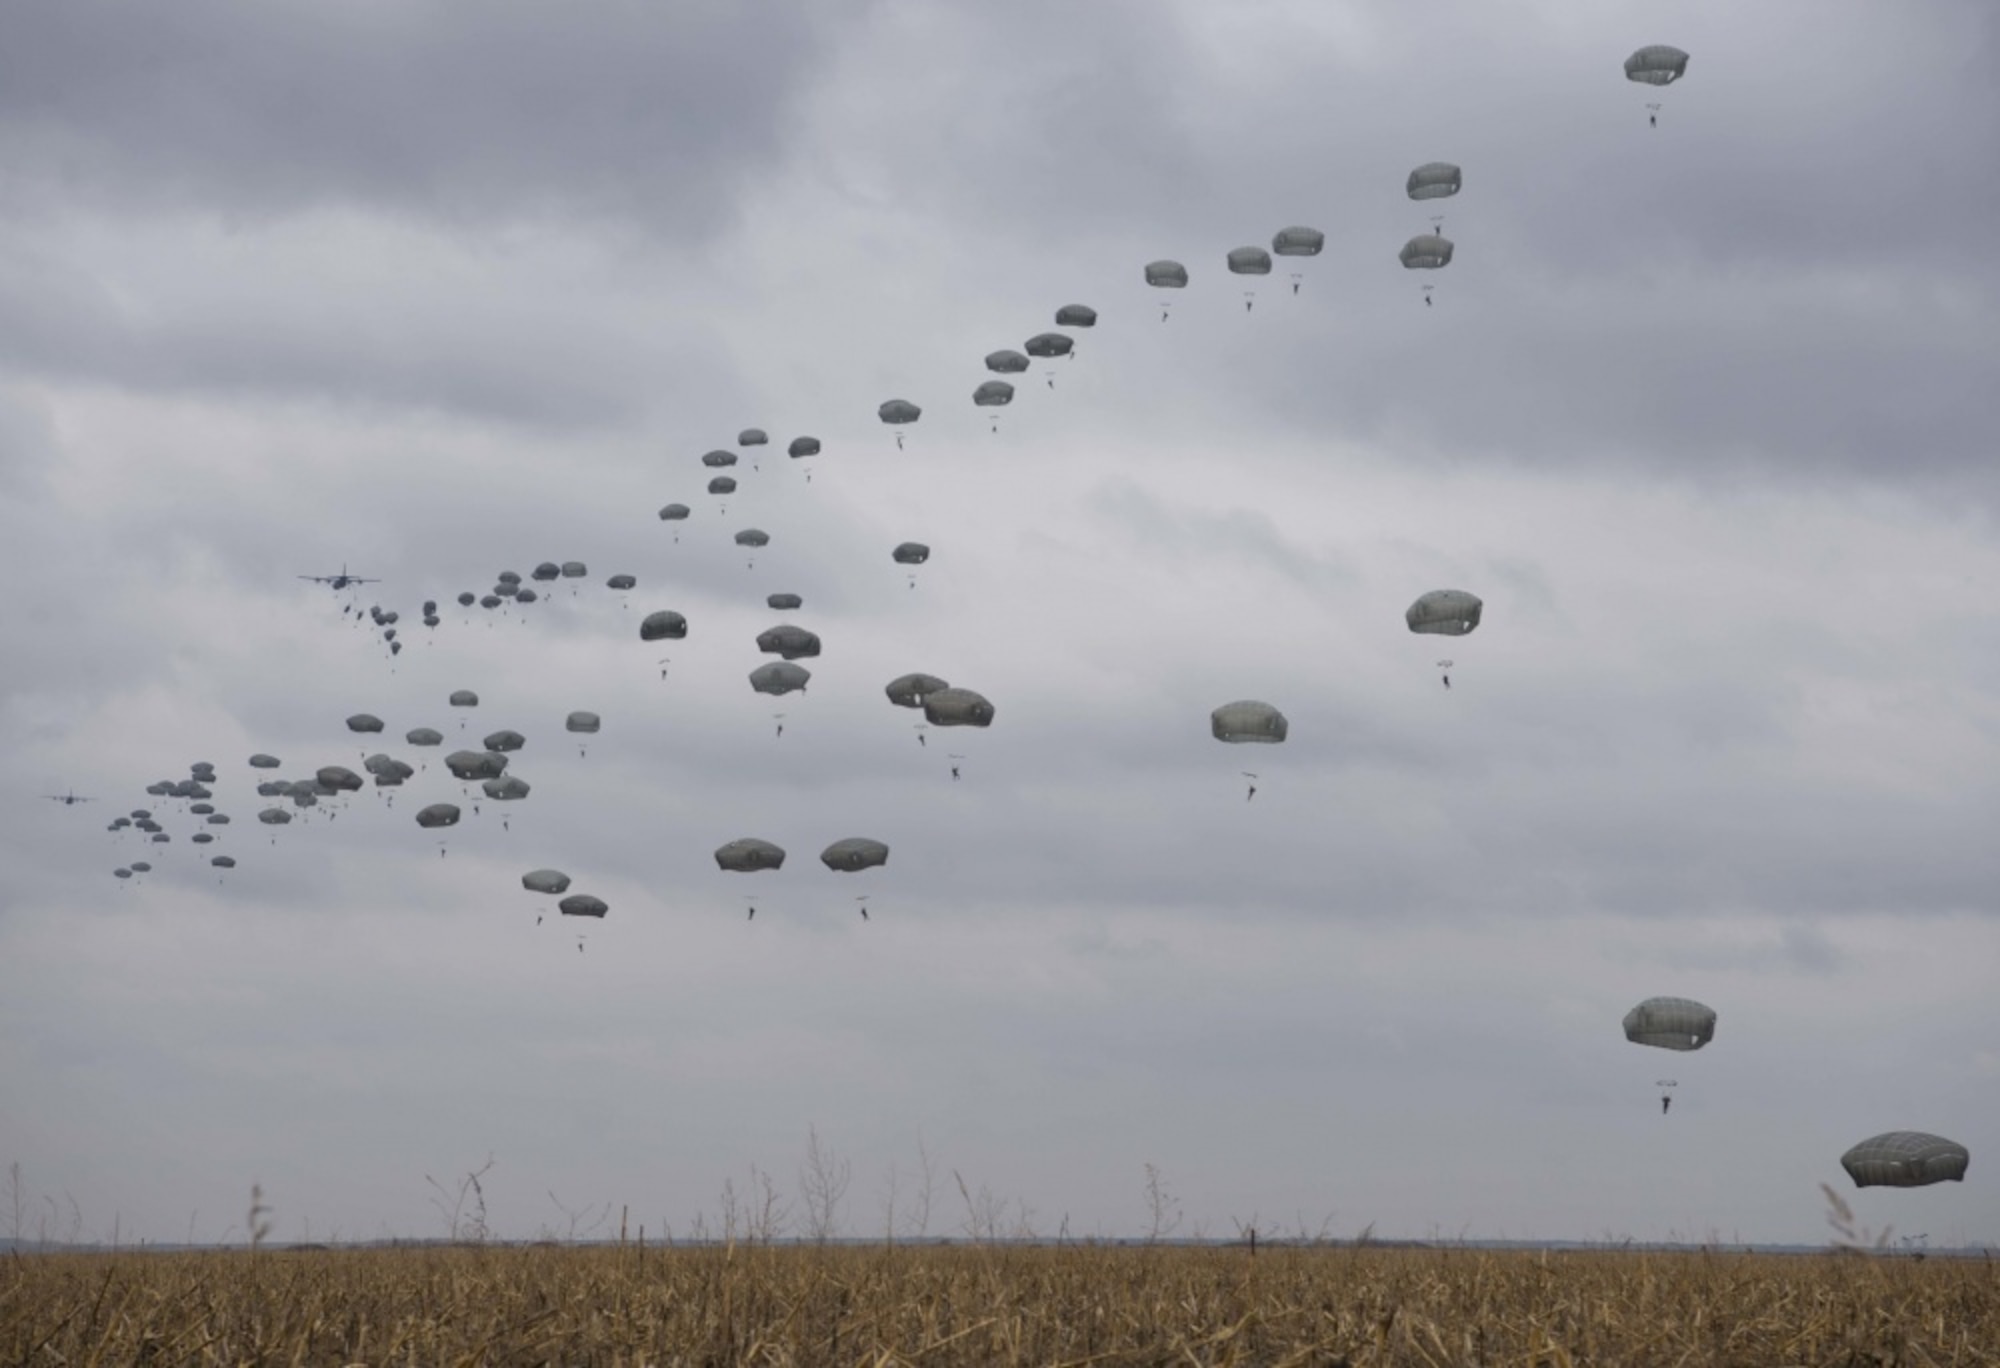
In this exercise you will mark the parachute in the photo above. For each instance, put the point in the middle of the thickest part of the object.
(749, 855)
(438, 815)
(545, 572)
(1670, 1023)
(793, 643)
(908, 691)
(1166, 275)
(1076, 316)
(1248, 721)
(1906, 1159)
(463, 698)
(803, 446)
(339, 777)
(1446, 612)
(364, 722)
(263, 761)
(663, 626)
(584, 722)
(223, 861)
(1434, 180)
(780, 677)
(507, 740)
(783, 601)
(911, 553)
(506, 789)
(854, 853)
(957, 708)
(545, 881)
(898, 411)
(716, 460)
(675, 513)
(1048, 345)
(424, 736)
(753, 536)
(722, 484)
(1657, 65)
(621, 582)
(1298, 241)
(583, 905)
(752, 437)
(1006, 362)
(574, 570)
(1250, 261)
(993, 393)
(467, 765)
(1426, 252)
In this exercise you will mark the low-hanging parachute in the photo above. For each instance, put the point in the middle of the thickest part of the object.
(664, 625)
(1906, 1159)
(957, 708)
(583, 905)
(1249, 261)
(898, 413)
(1166, 275)
(909, 691)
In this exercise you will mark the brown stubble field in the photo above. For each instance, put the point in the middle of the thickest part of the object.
(993, 1305)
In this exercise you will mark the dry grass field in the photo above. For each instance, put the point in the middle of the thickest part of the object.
(996, 1304)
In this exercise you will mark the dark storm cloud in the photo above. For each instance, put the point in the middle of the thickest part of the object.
(472, 113)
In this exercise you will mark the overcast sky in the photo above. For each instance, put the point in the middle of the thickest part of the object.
(1703, 412)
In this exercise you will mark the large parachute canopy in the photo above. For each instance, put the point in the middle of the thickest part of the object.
(1076, 316)
(908, 691)
(339, 777)
(574, 569)
(803, 446)
(504, 740)
(896, 411)
(793, 643)
(507, 788)
(957, 708)
(752, 437)
(424, 736)
(1167, 275)
(722, 484)
(1657, 65)
(364, 722)
(463, 698)
(469, 765)
(1426, 252)
(545, 572)
(1906, 1159)
(223, 862)
(583, 721)
(675, 513)
(622, 582)
(1298, 241)
(715, 460)
(780, 677)
(1434, 180)
(854, 853)
(1248, 720)
(545, 881)
(911, 553)
(1445, 612)
(783, 601)
(753, 536)
(1671, 1023)
(583, 905)
(1048, 345)
(749, 855)
(993, 394)
(1249, 261)
(438, 815)
(263, 761)
(1006, 362)
(663, 626)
